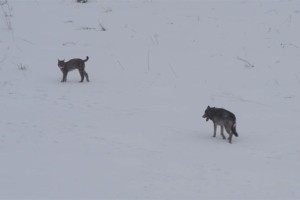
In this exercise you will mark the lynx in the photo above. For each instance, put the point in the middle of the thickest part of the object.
(72, 64)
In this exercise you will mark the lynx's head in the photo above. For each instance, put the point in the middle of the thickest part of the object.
(61, 63)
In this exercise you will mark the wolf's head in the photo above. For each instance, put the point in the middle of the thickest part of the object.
(61, 63)
(207, 113)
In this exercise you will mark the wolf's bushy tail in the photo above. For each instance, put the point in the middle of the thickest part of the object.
(233, 129)
(87, 58)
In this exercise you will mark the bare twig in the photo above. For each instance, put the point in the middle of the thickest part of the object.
(22, 67)
(298, 80)
(154, 39)
(283, 45)
(3, 59)
(148, 60)
(246, 62)
(173, 71)
(107, 9)
(101, 27)
(25, 40)
(85, 28)
(122, 67)
(6, 13)
(81, 1)
(68, 43)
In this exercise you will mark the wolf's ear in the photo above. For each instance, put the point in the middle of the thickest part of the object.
(208, 107)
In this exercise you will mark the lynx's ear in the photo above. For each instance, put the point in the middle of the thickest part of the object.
(208, 107)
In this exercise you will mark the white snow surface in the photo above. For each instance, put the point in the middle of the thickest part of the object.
(136, 131)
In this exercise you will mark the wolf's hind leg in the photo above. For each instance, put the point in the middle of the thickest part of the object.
(228, 130)
(230, 137)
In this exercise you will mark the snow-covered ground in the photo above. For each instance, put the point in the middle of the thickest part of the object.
(136, 130)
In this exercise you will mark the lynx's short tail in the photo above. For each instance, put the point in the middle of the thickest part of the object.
(233, 129)
(87, 58)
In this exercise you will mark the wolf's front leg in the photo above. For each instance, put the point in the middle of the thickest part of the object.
(215, 129)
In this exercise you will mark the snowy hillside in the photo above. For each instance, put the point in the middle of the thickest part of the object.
(136, 131)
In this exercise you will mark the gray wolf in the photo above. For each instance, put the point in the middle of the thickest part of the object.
(223, 118)
(72, 64)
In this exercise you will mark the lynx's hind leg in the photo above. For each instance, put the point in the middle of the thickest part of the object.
(86, 76)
